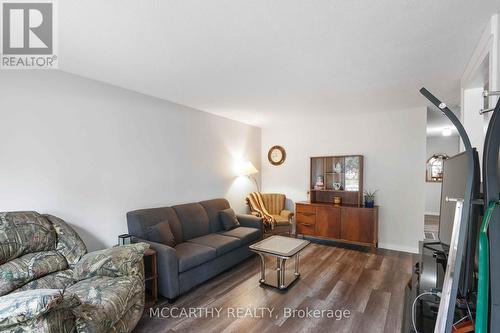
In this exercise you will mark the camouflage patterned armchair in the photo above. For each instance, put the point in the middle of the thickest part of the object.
(49, 283)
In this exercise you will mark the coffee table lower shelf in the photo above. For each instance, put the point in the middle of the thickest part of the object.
(278, 277)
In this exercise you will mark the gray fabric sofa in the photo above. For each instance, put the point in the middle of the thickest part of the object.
(203, 248)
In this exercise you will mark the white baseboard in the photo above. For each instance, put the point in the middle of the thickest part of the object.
(401, 248)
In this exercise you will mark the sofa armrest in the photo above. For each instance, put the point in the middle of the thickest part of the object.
(113, 262)
(287, 214)
(20, 307)
(250, 221)
(168, 268)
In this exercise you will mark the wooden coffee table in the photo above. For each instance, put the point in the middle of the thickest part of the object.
(283, 248)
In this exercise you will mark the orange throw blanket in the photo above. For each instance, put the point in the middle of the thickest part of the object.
(257, 205)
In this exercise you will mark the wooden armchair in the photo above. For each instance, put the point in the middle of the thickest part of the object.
(274, 203)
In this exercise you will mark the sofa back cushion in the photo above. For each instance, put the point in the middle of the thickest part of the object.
(24, 232)
(194, 220)
(139, 221)
(229, 220)
(68, 242)
(161, 233)
(213, 207)
(31, 266)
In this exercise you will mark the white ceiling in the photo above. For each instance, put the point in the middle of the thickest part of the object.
(259, 60)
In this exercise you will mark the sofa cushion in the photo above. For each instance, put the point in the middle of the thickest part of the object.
(191, 255)
(56, 280)
(105, 301)
(222, 244)
(161, 233)
(139, 220)
(29, 267)
(24, 232)
(228, 218)
(246, 235)
(194, 220)
(213, 207)
(68, 243)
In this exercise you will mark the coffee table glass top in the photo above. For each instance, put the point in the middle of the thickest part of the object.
(279, 245)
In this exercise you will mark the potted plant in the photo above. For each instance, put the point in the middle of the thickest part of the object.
(370, 198)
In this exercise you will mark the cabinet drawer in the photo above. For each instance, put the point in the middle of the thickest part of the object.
(305, 218)
(305, 228)
(305, 209)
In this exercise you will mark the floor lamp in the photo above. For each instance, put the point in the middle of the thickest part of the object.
(248, 169)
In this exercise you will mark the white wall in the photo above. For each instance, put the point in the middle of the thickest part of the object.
(449, 146)
(89, 152)
(393, 144)
(482, 70)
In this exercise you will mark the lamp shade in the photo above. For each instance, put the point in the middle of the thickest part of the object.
(246, 168)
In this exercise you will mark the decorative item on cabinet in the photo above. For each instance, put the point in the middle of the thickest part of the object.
(319, 185)
(370, 198)
(337, 200)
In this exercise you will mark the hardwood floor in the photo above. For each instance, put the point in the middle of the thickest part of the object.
(370, 286)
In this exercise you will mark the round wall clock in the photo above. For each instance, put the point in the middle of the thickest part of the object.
(276, 155)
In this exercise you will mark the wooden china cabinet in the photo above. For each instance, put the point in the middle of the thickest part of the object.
(337, 178)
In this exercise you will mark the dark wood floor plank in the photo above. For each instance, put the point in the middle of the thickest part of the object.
(375, 314)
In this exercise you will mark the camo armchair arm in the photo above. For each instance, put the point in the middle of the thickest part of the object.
(27, 310)
(116, 261)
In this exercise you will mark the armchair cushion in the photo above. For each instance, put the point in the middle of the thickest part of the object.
(229, 219)
(274, 202)
(56, 280)
(24, 232)
(113, 262)
(105, 300)
(69, 243)
(161, 233)
(27, 309)
(29, 267)
(281, 220)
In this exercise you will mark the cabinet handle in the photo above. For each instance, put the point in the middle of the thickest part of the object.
(305, 224)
